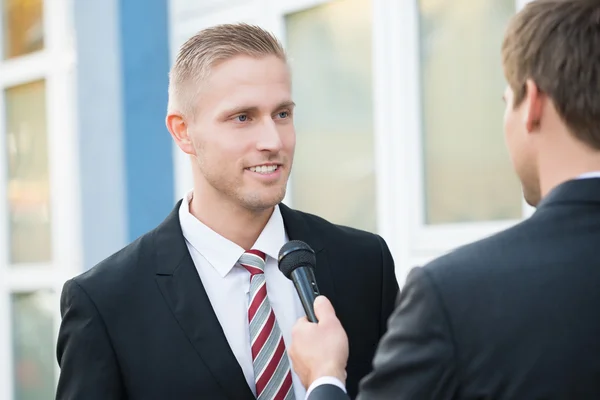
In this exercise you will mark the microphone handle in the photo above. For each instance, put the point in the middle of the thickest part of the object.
(306, 286)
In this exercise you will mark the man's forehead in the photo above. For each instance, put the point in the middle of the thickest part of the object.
(246, 69)
(256, 96)
(247, 82)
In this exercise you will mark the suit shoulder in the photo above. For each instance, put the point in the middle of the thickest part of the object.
(484, 254)
(340, 233)
(118, 269)
(351, 243)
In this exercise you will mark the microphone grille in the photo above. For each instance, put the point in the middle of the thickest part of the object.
(294, 254)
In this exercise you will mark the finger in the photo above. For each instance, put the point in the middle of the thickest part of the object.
(300, 325)
(324, 309)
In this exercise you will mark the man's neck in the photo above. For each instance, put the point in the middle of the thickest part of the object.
(233, 222)
(567, 163)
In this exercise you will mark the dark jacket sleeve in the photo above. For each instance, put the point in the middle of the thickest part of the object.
(328, 392)
(416, 357)
(89, 368)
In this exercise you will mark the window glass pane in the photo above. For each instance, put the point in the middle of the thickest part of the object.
(330, 53)
(468, 175)
(28, 181)
(33, 345)
(23, 27)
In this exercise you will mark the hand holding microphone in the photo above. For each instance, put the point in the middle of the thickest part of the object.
(319, 343)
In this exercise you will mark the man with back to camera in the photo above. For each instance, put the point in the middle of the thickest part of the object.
(184, 311)
(513, 316)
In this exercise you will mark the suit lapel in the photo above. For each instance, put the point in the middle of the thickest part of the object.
(299, 227)
(184, 292)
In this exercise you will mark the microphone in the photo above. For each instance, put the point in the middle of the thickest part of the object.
(297, 262)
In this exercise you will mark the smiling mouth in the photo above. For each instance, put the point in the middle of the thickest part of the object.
(264, 169)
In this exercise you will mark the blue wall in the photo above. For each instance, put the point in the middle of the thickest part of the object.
(126, 165)
(148, 154)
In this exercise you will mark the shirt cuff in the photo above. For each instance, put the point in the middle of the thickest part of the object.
(325, 380)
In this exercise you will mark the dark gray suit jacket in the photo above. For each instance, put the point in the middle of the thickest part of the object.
(513, 316)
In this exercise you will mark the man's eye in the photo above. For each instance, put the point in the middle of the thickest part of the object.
(283, 114)
(242, 118)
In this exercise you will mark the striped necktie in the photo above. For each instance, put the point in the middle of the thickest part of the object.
(272, 372)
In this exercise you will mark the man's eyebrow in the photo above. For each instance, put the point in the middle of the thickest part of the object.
(286, 104)
(254, 109)
(239, 110)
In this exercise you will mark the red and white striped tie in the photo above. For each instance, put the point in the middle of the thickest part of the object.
(271, 365)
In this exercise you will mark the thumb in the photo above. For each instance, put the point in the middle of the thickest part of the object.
(324, 309)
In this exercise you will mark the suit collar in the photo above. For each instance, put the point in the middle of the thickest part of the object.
(169, 246)
(586, 190)
(220, 252)
(171, 251)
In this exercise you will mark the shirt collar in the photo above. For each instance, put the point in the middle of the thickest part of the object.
(221, 252)
(592, 174)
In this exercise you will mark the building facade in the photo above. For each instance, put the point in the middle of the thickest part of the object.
(399, 131)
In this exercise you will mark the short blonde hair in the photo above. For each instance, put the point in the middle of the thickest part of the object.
(209, 47)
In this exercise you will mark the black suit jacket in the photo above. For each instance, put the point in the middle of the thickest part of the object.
(140, 325)
(513, 316)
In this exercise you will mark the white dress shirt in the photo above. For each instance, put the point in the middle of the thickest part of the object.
(228, 285)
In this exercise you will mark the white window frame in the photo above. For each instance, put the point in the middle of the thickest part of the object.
(56, 65)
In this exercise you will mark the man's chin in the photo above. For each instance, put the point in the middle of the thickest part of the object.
(532, 199)
(265, 203)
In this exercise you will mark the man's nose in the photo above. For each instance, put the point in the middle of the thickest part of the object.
(269, 138)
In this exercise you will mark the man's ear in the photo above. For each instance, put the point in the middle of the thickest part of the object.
(178, 127)
(534, 104)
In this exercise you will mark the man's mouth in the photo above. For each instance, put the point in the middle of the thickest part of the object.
(264, 169)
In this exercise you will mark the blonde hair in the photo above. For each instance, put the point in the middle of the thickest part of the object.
(209, 47)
